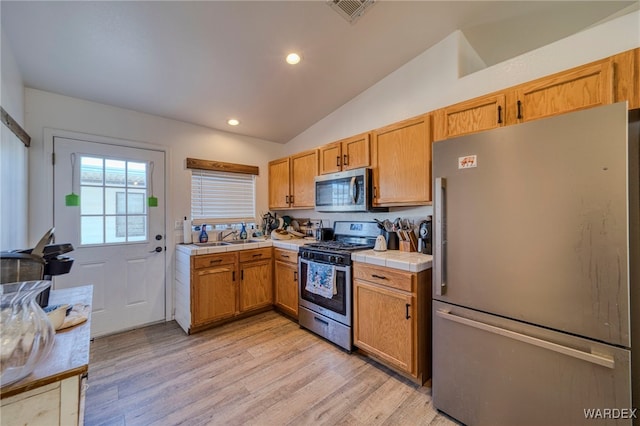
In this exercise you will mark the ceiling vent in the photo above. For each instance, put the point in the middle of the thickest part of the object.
(350, 10)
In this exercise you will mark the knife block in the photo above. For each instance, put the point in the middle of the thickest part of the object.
(409, 245)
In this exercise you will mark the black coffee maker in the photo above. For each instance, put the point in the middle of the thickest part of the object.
(425, 236)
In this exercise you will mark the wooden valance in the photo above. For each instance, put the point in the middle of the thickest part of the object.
(219, 166)
(15, 127)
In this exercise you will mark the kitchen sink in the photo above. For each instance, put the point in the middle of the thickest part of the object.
(238, 242)
(211, 244)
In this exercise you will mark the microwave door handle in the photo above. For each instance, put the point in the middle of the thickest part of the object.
(353, 190)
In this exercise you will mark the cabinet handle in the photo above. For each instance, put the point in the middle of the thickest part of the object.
(211, 262)
(375, 192)
(519, 110)
(338, 161)
(379, 276)
(286, 199)
(286, 256)
(291, 198)
(407, 307)
(257, 255)
(344, 161)
(295, 275)
(499, 114)
(242, 275)
(233, 276)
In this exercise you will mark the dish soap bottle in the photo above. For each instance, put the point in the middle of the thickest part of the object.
(243, 232)
(204, 237)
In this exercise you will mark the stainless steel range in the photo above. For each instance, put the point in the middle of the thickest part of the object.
(325, 301)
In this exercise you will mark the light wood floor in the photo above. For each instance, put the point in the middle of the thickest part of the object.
(262, 370)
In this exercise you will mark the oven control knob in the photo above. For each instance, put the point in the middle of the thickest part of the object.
(339, 260)
(333, 259)
(304, 255)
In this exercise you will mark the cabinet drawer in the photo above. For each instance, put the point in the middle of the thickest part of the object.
(209, 260)
(288, 256)
(258, 254)
(385, 276)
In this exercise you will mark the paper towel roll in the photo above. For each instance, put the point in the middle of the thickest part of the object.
(186, 230)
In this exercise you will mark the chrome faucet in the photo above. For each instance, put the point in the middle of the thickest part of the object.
(222, 236)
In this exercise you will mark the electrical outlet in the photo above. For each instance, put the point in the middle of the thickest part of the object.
(178, 226)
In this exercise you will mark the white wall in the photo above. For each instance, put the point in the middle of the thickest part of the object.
(182, 140)
(432, 80)
(13, 157)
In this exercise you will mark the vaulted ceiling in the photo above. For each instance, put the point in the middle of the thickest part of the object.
(204, 62)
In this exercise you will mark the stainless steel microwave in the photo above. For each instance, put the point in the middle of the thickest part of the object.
(349, 191)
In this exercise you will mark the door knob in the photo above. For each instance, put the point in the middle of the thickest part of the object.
(156, 250)
(158, 237)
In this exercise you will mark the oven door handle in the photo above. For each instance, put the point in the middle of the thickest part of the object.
(338, 268)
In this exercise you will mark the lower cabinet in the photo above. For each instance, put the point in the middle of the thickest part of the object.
(256, 284)
(392, 318)
(219, 287)
(213, 282)
(286, 281)
(58, 403)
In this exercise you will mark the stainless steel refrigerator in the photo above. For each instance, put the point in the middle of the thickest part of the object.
(536, 313)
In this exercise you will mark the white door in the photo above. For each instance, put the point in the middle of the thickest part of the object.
(116, 229)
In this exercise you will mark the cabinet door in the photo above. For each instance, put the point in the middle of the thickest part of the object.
(627, 77)
(355, 152)
(583, 87)
(214, 294)
(286, 285)
(330, 158)
(279, 184)
(471, 116)
(256, 286)
(385, 323)
(304, 168)
(402, 163)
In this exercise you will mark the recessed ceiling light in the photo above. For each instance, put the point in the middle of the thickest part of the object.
(233, 122)
(293, 58)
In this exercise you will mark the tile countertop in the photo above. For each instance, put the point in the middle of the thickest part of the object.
(404, 261)
(194, 250)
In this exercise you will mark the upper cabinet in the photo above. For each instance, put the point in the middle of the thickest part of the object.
(401, 163)
(487, 112)
(602, 82)
(626, 77)
(291, 181)
(346, 154)
(583, 87)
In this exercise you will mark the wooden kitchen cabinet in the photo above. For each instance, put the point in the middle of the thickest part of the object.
(286, 281)
(484, 113)
(602, 82)
(392, 318)
(626, 77)
(291, 181)
(279, 184)
(401, 163)
(346, 154)
(579, 88)
(256, 283)
(213, 281)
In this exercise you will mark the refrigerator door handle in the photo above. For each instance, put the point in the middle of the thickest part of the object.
(602, 360)
(439, 249)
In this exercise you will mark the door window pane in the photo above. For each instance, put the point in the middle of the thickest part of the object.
(113, 194)
(91, 230)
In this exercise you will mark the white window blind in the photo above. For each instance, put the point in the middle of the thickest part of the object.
(220, 197)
